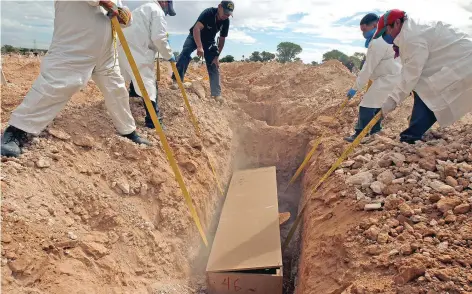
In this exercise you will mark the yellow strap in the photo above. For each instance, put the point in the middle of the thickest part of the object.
(184, 95)
(317, 143)
(343, 156)
(159, 130)
(214, 174)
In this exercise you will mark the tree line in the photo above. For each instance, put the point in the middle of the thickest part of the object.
(11, 49)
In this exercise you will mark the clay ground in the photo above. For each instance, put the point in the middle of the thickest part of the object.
(85, 211)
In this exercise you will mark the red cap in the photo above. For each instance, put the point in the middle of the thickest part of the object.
(387, 19)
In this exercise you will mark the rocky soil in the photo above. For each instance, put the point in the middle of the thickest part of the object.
(85, 211)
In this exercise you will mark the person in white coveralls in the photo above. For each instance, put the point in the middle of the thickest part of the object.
(437, 67)
(81, 48)
(146, 37)
(379, 67)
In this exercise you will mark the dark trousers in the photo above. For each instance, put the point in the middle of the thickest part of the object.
(366, 114)
(210, 53)
(422, 118)
(132, 93)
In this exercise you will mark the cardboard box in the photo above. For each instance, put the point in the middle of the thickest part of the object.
(246, 256)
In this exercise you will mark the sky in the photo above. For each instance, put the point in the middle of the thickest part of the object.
(317, 26)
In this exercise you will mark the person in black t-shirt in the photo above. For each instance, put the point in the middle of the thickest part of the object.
(202, 37)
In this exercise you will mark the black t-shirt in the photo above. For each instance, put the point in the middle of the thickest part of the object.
(211, 26)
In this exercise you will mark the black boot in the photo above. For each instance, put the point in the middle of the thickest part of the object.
(137, 139)
(132, 92)
(12, 141)
(351, 138)
(148, 121)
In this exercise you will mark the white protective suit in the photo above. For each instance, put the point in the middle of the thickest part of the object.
(437, 64)
(146, 37)
(81, 47)
(384, 71)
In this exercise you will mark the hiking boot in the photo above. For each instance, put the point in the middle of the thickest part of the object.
(148, 121)
(132, 91)
(174, 85)
(12, 141)
(351, 138)
(137, 139)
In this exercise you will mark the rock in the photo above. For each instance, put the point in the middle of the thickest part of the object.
(464, 167)
(428, 163)
(362, 178)
(433, 223)
(450, 170)
(431, 175)
(190, 166)
(84, 141)
(377, 187)
(443, 274)
(360, 195)
(59, 134)
(6, 238)
(374, 249)
(386, 177)
(198, 89)
(123, 185)
(393, 252)
(448, 203)
(382, 238)
(443, 245)
(451, 181)
(434, 198)
(462, 208)
(398, 181)
(405, 210)
(72, 236)
(445, 258)
(347, 163)
(424, 230)
(372, 233)
(450, 219)
(187, 85)
(97, 250)
(409, 273)
(406, 249)
(392, 223)
(372, 206)
(385, 162)
(398, 159)
(19, 265)
(392, 202)
(43, 163)
(441, 187)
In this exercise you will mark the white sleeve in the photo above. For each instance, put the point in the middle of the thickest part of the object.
(159, 35)
(375, 53)
(414, 57)
(94, 2)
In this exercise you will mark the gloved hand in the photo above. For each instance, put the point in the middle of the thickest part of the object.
(388, 106)
(172, 59)
(351, 93)
(123, 14)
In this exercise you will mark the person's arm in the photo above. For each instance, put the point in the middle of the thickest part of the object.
(223, 35)
(221, 44)
(197, 37)
(415, 56)
(159, 35)
(375, 53)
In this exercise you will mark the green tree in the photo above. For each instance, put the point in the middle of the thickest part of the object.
(359, 55)
(297, 59)
(9, 49)
(255, 56)
(314, 63)
(287, 51)
(267, 56)
(227, 58)
(176, 54)
(196, 59)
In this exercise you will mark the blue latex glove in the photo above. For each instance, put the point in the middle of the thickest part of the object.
(351, 93)
(172, 59)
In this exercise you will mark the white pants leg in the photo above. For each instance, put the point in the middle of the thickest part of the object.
(60, 77)
(108, 78)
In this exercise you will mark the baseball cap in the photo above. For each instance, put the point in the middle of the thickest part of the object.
(228, 7)
(387, 19)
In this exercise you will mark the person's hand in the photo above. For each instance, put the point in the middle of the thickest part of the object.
(110, 7)
(351, 93)
(388, 106)
(172, 59)
(200, 51)
(216, 61)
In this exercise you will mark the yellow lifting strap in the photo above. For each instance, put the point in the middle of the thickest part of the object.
(159, 130)
(338, 162)
(318, 142)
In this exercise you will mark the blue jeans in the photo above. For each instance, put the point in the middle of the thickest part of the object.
(366, 114)
(422, 118)
(184, 60)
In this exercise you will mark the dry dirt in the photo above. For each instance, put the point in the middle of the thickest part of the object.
(85, 211)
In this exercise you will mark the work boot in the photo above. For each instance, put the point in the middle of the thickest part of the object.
(148, 121)
(12, 141)
(351, 138)
(174, 85)
(132, 91)
(133, 136)
(218, 99)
